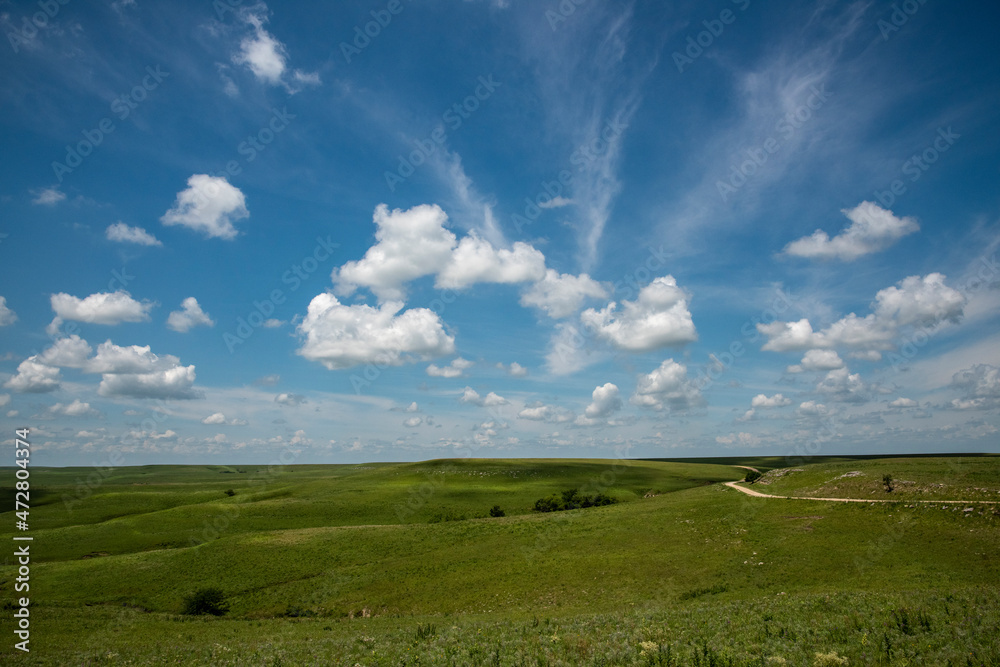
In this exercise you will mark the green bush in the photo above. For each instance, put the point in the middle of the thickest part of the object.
(206, 601)
(495, 511)
(752, 476)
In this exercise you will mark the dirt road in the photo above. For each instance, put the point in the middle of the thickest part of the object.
(757, 494)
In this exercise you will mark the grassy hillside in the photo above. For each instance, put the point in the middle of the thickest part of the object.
(913, 478)
(375, 565)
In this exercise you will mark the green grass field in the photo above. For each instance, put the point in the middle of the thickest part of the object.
(400, 564)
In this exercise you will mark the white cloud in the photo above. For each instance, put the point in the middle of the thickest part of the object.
(413, 422)
(455, 369)
(561, 295)
(101, 308)
(7, 316)
(920, 302)
(412, 407)
(516, 370)
(75, 409)
(4, 400)
(191, 316)
(70, 352)
(776, 401)
(410, 244)
(475, 260)
(340, 336)
(209, 205)
(845, 387)
(605, 401)
(667, 387)
(122, 233)
(471, 396)
(219, 419)
(172, 383)
(261, 52)
(132, 359)
(556, 202)
(48, 196)
(658, 318)
(872, 229)
(34, 378)
(903, 403)
(545, 413)
(266, 56)
(290, 399)
(818, 360)
(415, 243)
(812, 409)
(980, 387)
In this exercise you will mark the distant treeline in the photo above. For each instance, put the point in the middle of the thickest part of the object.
(571, 500)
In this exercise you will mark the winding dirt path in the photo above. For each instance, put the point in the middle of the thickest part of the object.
(758, 494)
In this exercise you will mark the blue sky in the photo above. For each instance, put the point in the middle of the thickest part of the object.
(402, 230)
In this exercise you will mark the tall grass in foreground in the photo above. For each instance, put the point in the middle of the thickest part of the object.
(918, 628)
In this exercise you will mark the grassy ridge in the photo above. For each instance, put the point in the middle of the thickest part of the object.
(951, 478)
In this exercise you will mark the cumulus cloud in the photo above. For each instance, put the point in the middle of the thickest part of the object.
(545, 413)
(69, 352)
(4, 400)
(475, 260)
(517, 370)
(266, 56)
(568, 350)
(818, 360)
(914, 301)
(560, 295)
(903, 403)
(219, 419)
(48, 196)
(980, 387)
(189, 317)
(412, 407)
(340, 336)
(75, 409)
(101, 308)
(872, 229)
(413, 422)
(667, 388)
(409, 244)
(843, 386)
(33, 378)
(658, 318)
(7, 316)
(472, 397)
(130, 359)
(455, 369)
(415, 243)
(776, 401)
(122, 233)
(812, 409)
(290, 399)
(605, 401)
(209, 205)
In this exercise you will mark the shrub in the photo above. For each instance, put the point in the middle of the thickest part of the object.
(206, 601)
(495, 511)
(887, 481)
(230, 492)
(571, 500)
(752, 476)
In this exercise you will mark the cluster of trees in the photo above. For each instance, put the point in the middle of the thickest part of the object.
(571, 500)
